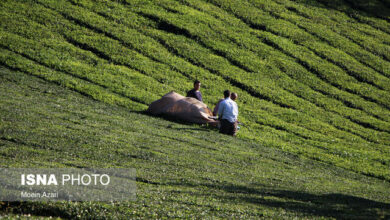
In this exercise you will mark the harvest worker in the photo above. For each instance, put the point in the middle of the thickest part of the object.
(195, 93)
(228, 113)
(233, 96)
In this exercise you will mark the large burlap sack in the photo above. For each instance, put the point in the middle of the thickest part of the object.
(184, 108)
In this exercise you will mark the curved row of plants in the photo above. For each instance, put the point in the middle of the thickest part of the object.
(133, 61)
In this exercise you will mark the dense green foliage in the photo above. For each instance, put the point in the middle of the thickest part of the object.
(313, 77)
(182, 170)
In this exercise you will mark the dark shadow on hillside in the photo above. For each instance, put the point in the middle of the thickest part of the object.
(333, 205)
(371, 8)
(329, 205)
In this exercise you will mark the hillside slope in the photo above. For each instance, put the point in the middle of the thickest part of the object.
(312, 81)
(313, 77)
(182, 170)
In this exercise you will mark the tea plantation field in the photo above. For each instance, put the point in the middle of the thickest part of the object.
(313, 79)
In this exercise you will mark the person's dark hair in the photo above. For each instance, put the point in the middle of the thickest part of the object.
(196, 82)
(226, 93)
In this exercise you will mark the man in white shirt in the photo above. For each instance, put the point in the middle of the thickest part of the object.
(228, 113)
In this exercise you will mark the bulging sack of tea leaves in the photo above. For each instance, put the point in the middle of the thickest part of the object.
(183, 108)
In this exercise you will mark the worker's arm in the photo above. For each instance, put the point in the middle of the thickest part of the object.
(199, 96)
(221, 107)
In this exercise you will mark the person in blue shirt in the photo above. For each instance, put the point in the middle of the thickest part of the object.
(195, 93)
(228, 114)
